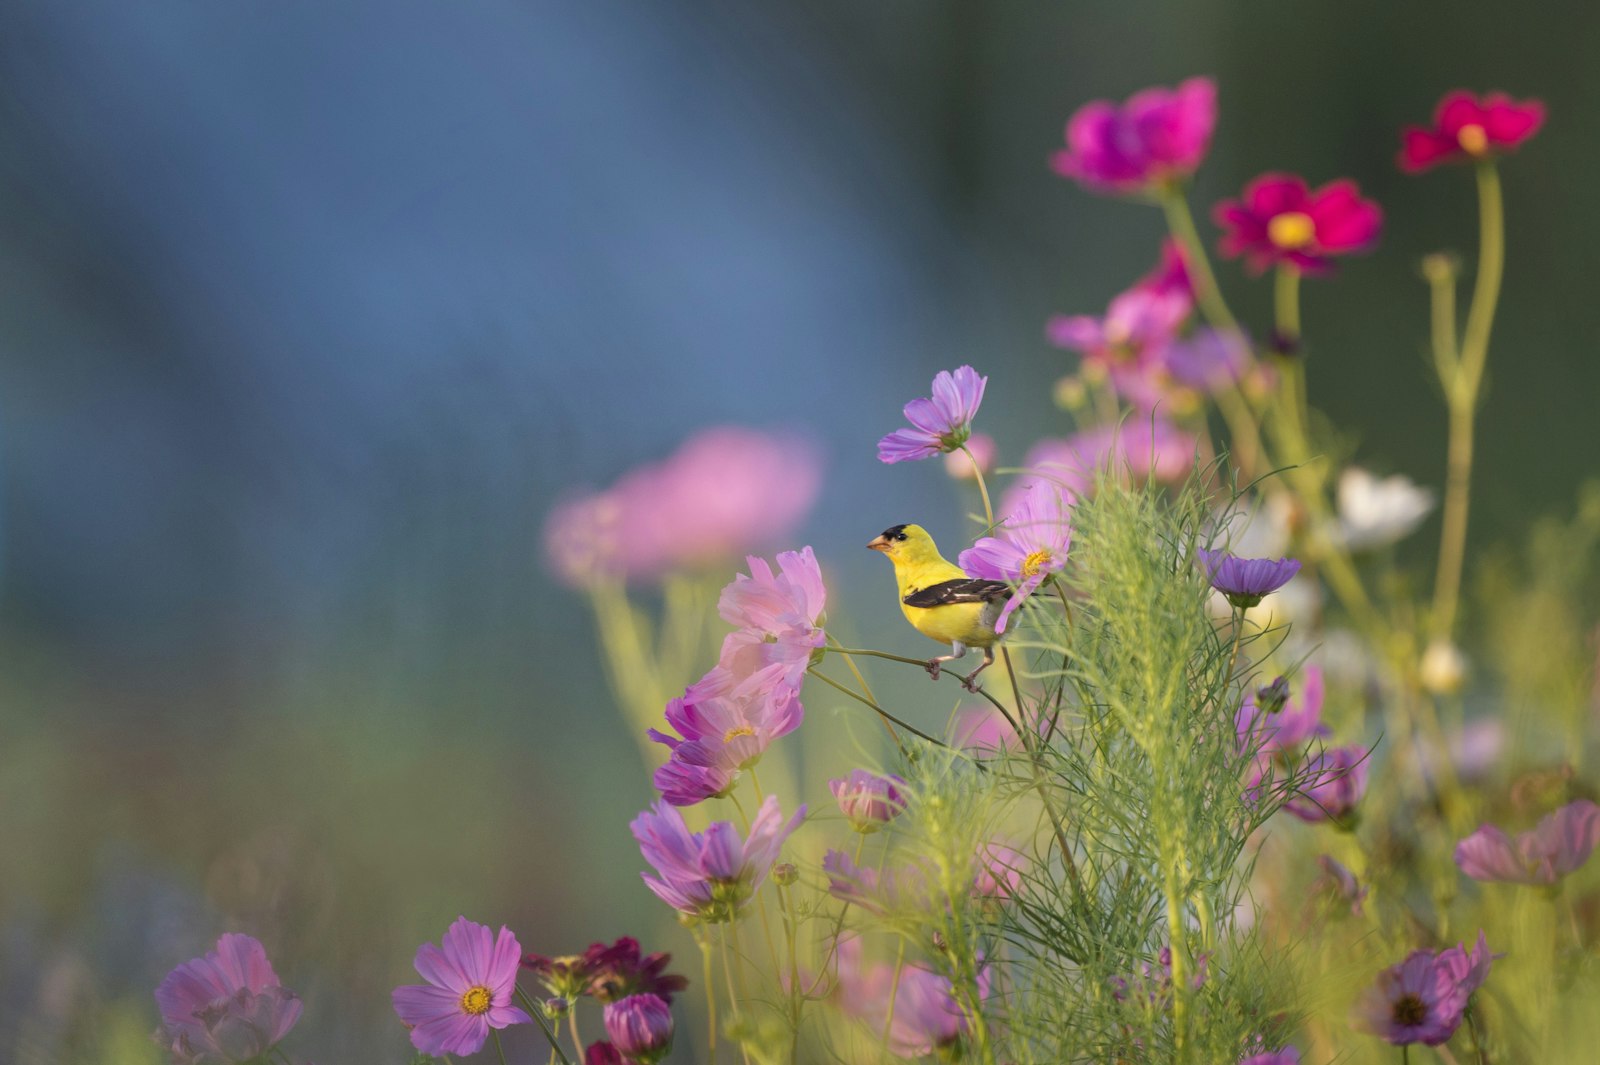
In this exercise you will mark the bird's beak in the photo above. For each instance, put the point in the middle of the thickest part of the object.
(880, 544)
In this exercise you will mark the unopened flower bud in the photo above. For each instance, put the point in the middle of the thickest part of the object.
(1443, 670)
(1440, 267)
(1071, 393)
(939, 943)
(784, 873)
(556, 1008)
(1271, 698)
(640, 1027)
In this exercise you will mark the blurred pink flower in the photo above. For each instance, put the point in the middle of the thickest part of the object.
(869, 800)
(1129, 345)
(1422, 999)
(710, 874)
(1279, 220)
(1467, 128)
(1158, 136)
(902, 888)
(225, 1007)
(1142, 448)
(926, 1017)
(602, 1053)
(1035, 535)
(1170, 274)
(725, 491)
(1285, 729)
(1333, 782)
(1558, 845)
(1286, 1056)
(1344, 882)
(1000, 869)
(959, 466)
(939, 424)
(469, 990)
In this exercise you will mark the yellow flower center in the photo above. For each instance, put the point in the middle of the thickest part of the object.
(737, 731)
(1473, 139)
(1291, 230)
(1035, 562)
(475, 1001)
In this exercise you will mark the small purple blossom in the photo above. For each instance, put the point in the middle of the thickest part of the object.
(1129, 345)
(942, 423)
(226, 1006)
(710, 874)
(1151, 985)
(1422, 999)
(1559, 844)
(640, 1027)
(1159, 135)
(1287, 1056)
(469, 990)
(1244, 582)
(1333, 782)
(869, 800)
(1033, 542)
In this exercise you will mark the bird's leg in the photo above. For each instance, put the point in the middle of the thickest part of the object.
(971, 683)
(957, 650)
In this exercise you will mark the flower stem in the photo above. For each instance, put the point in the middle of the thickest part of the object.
(498, 1048)
(983, 488)
(1286, 302)
(1181, 222)
(858, 697)
(1461, 396)
(536, 1011)
(572, 1026)
(894, 990)
(711, 998)
(867, 691)
(733, 989)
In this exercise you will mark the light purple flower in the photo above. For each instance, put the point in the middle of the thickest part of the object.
(869, 800)
(1142, 448)
(1207, 360)
(1246, 581)
(718, 735)
(1333, 782)
(1033, 542)
(1422, 999)
(940, 424)
(1559, 844)
(640, 1027)
(470, 983)
(225, 1007)
(710, 874)
(725, 492)
(1280, 734)
(1158, 136)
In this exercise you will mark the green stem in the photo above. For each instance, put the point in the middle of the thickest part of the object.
(498, 1048)
(1286, 302)
(983, 488)
(536, 1011)
(572, 1026)
(894, 990)
(1181, 222)
(1461, 395)
(711, 998)
(867, 691)
(733, 989)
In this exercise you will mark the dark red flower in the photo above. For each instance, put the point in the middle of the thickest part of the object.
(1466, 128)
(1278, 220)
(607, 972)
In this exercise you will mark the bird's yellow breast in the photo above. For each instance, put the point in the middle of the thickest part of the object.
(969, 623)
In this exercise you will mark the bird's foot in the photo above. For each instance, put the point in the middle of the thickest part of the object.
(934, 666)
(970, 681)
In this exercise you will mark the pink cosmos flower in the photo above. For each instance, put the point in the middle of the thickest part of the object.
(1282, 731)
(469, 990)
(1158, 136)
(1128, 346)
(958, 465)
(1033, 542)
(926, 1019)
(640, 1027)
(902, 888)
(721, 735)
(726, 491)
(1558, 845)
(1141, 448)
(1170, 274)
(1207, 360)
(225, 1007)
(869, 800)
(777, 615)
(710, 874)
(1422, 999)
(940, 424)
(1279, 220)
(1468, 128)
(1334, 782)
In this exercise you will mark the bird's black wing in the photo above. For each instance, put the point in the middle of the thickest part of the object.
(961, 590)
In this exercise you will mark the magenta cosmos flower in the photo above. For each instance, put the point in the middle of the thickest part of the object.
(1282, 730)
(1278, 220)
(469, 990)
(710, 874)
(1244, 582)
(640, 1027)
(1158, 136)
(725, 492)
(1333, 782)
(602, 1053)
(1559, 844)
(1033, 543)
(1468, 128)
(940, 424)
(1286, 1056)
(869, 800)
(225, 1007)
(1129, 345)
(1170, 274)
(1422, 999)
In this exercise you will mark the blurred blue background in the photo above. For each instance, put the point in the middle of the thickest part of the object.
(311, 312)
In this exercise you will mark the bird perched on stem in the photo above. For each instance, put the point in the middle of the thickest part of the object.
(940, 600)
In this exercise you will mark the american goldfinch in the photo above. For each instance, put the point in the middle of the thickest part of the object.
(940, 600)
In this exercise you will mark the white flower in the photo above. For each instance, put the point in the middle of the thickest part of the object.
(1374, 512)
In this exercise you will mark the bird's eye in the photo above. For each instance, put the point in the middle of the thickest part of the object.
(899, 536)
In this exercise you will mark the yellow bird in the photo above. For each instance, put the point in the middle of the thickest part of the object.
(940, 600)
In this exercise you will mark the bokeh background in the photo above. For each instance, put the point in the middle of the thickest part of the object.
(310, 312)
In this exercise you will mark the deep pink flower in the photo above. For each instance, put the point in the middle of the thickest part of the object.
(1170, 274)
(225, 1007)
(607, 972)
(640, 1027)
(1129, 345)
(1244, 582)
(1422, 999)
(1467, 128)
(1279, 220)
(1158, 136)
(710, 874)
(1559, 844)
(1141, 448)
(726, 491)
(1035, 536)
(940, 424)
(869, 800)
(469, 990)
(1333, 783)
(602, 1053)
